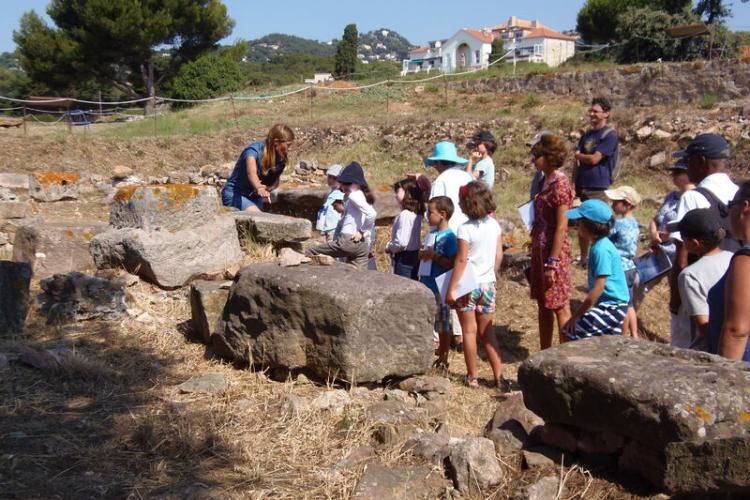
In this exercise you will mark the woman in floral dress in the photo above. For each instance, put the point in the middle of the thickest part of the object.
(550, 248)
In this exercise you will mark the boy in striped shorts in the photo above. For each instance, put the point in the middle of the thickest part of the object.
(606, 305)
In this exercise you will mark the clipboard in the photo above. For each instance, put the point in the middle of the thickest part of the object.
(526, 212)
(652, 265)
(467, 283)
(425, 266)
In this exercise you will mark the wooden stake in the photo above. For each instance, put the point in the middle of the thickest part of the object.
(25, 133)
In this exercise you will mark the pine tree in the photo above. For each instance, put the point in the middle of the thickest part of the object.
(346, 53)
(498, 50)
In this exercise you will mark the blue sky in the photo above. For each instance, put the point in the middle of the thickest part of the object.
(417, 20)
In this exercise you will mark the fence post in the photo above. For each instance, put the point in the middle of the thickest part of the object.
(312, 95)
(153, 107)
(234, 110)
(445, 87)
(67, 119)
(25, 133)
(387, 98)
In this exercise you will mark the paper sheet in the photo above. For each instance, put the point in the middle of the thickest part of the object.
(526, 212)
(425, 266)
(467, 283)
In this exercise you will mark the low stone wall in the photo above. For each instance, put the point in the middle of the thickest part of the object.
(645, 85)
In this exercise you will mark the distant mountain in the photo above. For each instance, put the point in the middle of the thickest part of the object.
(381, 44)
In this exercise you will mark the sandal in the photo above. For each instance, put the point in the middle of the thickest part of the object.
(472, 382)
(503, 385)
(439, 364)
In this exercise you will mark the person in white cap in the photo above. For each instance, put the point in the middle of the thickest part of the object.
(328, 217)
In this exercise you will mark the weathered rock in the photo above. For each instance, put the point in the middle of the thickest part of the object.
(207, 383)
(323, 319)
(7, 195)
(431, 446)
(50, 360)
(53, 186)
(386, 205)
(15, 278)
(689, 413)
(600, 443)
(207, 300)
(176, 177)
(473, 465)
(333, 401)
(423, 384)
(657, 160)
(379, 482)
(77, 297)
(355, 457)
(15, 210)
(540, 457)
(299, 201)
(513, 409)
(121, 172)
(662, 134)
(14, 181)
(290, 258)
(644, 132)
(271, 228)
(437, 409)
(394, 412)
(170, 259)
(547, 488)
(56, 246)
(294, 405)
(398, 395)
(507, 441)
(171, 206)
(560, 437)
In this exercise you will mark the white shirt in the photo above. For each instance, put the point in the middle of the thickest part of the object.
(405, 232)
(447, 184)
(358, 215)
(487, 167)
(482, 235)
(720, 185)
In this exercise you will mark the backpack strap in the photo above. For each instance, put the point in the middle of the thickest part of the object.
(714, 201)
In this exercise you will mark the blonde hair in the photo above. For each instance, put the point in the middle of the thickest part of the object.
(278, 133)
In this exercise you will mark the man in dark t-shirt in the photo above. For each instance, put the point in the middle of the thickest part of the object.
(596, 157)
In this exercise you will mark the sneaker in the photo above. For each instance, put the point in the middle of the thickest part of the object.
(439, 364)
(472, 382)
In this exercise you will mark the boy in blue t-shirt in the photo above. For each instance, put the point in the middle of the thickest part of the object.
(625, 235)
(442, 254)
(606, 305)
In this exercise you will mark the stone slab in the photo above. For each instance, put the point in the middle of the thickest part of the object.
(15, 278)
(271, 228)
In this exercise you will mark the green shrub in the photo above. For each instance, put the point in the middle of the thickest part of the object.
(708, 101)
(208, 76)
(531, 101)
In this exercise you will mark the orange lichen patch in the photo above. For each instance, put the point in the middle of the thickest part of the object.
(56, 178)
(88, 234)
(179, 194)
(125, 193)
(744, 417)
(70, 233)
(703, 414)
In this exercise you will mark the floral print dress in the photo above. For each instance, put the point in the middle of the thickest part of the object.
(553, 194)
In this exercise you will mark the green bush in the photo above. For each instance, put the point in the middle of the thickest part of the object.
(209, 76)
(708, 101)
(531, 101)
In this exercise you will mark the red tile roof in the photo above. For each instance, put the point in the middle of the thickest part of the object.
(480, 35)
(420, 50)
(548, 33)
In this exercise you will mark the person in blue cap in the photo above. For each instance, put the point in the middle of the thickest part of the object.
(707, 157)
(603, 310)
(452, 177)
(328, 217)
(351, 240)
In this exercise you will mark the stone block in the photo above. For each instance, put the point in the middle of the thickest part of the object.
(77, 297)
(15, 210)
(473, 465)
(513, 409)
(15, 278)
(170, 259)
(336, 321)
(301, 202)
(271, 228)
(53, 186)
(171, 206)
(54, 246)
(207, 300)
(685, 412)
(379, 482)
(14, 181)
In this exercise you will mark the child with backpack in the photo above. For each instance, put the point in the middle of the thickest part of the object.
(606, 305)
(441, 252)
(328, 215)
(480, 251)
(406, 230)
(350, 240)
(625, 235)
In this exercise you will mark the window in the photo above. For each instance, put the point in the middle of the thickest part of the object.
(538, 49)
(477, 57)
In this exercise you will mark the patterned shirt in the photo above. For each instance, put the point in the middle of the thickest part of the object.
(625, 235)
